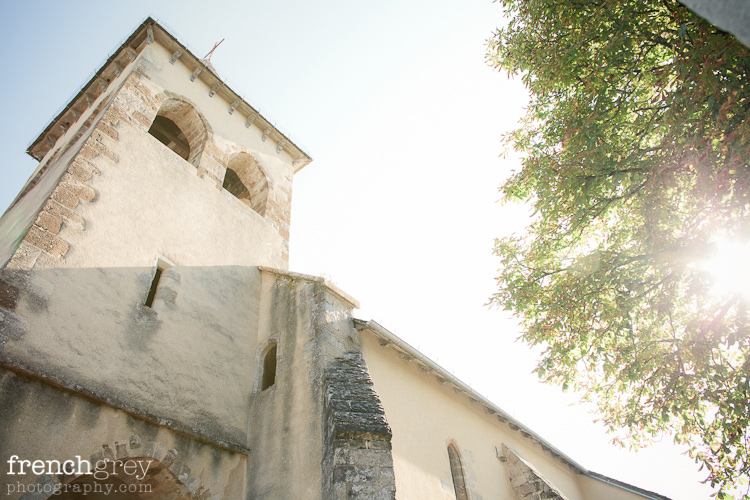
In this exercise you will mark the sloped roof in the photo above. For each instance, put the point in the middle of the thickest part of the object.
(148, 32)
(442, 375)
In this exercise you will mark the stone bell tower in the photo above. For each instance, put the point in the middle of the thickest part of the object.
(154, 84)
(146, 313)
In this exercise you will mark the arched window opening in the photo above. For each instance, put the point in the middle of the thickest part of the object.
(269, 368)
(457, 471)
(168, 133)
(246, 180)
(234, 185)
(181, 128)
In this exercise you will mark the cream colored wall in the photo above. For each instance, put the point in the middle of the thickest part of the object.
(426, 416)
(93, 332)
(228, 128)
(229, 134)
(152, 202)
(311, 326)
(595, 489)
(91, 328)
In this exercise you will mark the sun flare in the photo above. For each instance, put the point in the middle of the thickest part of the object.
(729, 268)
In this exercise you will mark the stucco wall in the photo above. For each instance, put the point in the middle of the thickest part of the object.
(78, 281)
(426, 416)
(311, 326)
(230, 127)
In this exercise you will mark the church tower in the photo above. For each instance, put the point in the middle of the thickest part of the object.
(147, 320)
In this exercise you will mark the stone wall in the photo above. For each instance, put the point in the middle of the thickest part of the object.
(43, 422)
(527, 482)
(358, 463)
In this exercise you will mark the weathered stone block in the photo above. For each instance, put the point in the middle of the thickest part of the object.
(169, 458)
(135, 85)
(143, 120)
(65, 197)
(355, 474)
(340, 404)
(107, 130)
(377, 492)
(48, 222)
(81, 171)
(107, 452)
(47, 241)
(340, 491)
(88, 152)
(193, 483)
(372, 458)
(85, 193)
(373, 407)
(104, 151)
(185, 472)
(386, 475)
(135, 442)
(379, 444)
(8, 296)
(25, 257)
(62, 212)
(121, 449)
(530, 487)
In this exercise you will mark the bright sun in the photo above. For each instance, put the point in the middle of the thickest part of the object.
(730, 268)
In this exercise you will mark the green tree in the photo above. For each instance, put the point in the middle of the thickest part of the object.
(635, 160)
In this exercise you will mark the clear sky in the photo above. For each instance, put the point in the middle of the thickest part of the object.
(403, 118)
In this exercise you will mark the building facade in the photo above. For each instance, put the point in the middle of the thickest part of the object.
(154, 345)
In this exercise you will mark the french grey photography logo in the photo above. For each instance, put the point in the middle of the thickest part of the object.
(87, 476)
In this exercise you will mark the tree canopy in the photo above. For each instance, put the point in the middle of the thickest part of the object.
(635, 152)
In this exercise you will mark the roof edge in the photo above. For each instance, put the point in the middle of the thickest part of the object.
(626, 486)
(391, 338)
(150, 29)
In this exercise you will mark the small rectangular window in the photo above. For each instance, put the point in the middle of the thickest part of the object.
(269, 368)
(154, 286)
(162, 265)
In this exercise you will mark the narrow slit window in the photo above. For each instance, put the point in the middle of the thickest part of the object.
(154, 286)
(269, 368)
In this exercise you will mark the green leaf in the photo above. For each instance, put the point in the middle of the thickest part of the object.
(636, 152)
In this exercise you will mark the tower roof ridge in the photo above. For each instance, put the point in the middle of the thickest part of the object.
(150, 31)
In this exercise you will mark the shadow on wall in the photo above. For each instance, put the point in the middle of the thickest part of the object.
(164, 339)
